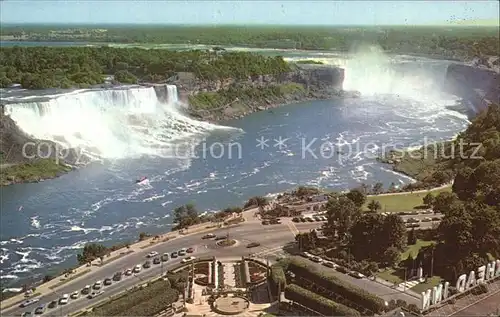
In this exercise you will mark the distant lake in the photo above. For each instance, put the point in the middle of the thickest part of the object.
(33, 43)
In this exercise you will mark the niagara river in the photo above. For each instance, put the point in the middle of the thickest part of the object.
(131, 132)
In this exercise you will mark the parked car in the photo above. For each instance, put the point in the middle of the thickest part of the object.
(97, 285)
(208, 236)
(64, 299)
(316, 259)
(181, 252)
(329, 264)
(265, 222)
(253, 244)
(165, 257)
(52, 304)
(190, 250)
(147, 264)
(156, 261)
(306, 255)
(356, 274)
(75, 295)
(173, 255)
(40, 309)
(296, 219)
(86, 289)
(137, 268)
(128, 272)
(188, 259)
(108, 281)
(26, 314)
(95, 294)
(28, 302)
(117, 276)
(342, 269)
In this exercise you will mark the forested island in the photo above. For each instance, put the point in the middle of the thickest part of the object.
(65, 67)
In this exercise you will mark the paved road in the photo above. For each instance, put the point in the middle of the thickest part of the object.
(271, 237)
(381, 290)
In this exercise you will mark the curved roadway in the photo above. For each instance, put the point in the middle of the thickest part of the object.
(271, 237)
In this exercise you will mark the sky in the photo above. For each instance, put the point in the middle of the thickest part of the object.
(298, 12)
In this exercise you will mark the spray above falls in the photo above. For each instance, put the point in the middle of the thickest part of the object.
(113, 123)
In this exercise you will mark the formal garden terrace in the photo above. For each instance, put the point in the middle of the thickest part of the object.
(205, 286)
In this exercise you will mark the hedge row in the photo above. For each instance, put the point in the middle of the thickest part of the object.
(317, 303)
(123, 304)
(278, 276)
(154, 305)
(332, 283)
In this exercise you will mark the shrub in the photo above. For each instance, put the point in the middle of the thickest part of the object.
(124, 304)
(317, 303)
(154, 305)
(278, 276)
(332, 283)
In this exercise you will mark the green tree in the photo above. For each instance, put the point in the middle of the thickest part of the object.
(374, 206)
(90, 252)
(358, 196)
(378, 188)
(185, 216)
(342, 214)
(392, 256)
(256, 201)
(125, 77)
(428, 200)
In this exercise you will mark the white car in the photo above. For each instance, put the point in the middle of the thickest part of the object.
(29, 302)
(188, 259)
(64, 299)
(98, 285)
(316, 259)
(137, 268)
(329, 264)
(152, 254)
(75, 295)
(356, 274)
(128, 272)
(95, 294)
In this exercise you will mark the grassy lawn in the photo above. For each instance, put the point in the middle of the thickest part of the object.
(431, 282)
(402, 202)
(34, 171)
(415, 248)
(398, 275)
(390, 275)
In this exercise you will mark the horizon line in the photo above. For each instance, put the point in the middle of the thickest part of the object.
(244, 25)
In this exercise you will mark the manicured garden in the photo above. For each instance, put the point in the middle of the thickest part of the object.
(146, 301)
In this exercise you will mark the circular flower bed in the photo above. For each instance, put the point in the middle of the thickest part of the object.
(226, 243)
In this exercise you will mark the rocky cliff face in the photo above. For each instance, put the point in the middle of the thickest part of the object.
(477, 86)
(16, 147)
(312, 76)
(318, 81)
